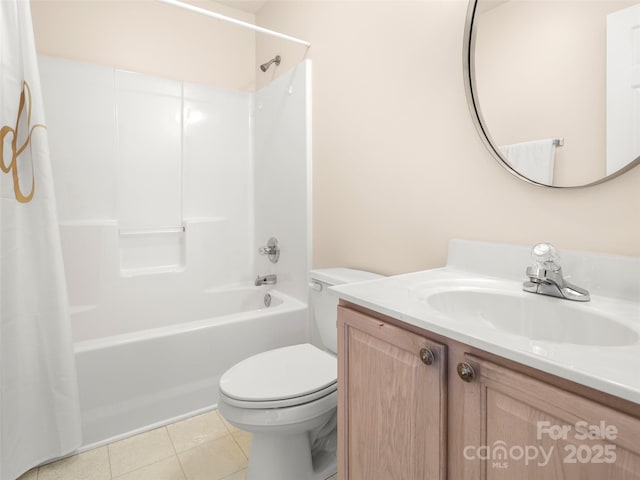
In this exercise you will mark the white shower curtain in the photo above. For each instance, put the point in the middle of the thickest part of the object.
(39, 413)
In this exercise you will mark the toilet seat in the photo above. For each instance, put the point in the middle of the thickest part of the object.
(285, 402)
(282, 377)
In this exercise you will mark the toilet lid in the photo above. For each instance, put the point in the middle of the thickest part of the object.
(281, 374)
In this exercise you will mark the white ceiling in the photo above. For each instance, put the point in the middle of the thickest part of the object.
(251, 6)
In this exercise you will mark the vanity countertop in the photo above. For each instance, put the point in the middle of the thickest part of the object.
(608, 368)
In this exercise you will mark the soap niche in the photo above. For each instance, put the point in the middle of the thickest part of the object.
(150, 251)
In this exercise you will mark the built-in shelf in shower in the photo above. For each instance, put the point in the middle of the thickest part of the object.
(129, 232)
(149, 251)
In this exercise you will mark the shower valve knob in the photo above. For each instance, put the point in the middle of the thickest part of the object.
(272, 250)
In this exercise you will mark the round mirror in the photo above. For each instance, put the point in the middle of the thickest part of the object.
(554, 87)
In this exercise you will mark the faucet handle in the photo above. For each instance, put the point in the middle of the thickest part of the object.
(272, 250)
(546, 256)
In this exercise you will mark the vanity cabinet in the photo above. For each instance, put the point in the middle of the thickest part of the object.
(469, 415)
(529, 429)
(391, 402)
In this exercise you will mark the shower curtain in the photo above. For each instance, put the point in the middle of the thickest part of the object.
(39, 413)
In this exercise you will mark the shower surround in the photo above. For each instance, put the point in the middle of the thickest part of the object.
(165, 192)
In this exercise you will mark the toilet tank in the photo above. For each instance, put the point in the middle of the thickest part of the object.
(324, 303)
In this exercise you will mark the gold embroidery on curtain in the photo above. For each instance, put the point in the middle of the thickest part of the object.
(25, 102)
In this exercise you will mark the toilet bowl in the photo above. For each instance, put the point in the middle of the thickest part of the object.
(287, 397)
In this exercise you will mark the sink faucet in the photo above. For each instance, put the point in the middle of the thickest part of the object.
(266, 280)
(545, 277)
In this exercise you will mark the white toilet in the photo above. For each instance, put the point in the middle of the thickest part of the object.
(287, 397)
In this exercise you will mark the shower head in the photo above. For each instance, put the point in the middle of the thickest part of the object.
(265, 66)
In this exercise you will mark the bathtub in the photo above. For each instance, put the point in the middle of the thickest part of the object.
(146, 362)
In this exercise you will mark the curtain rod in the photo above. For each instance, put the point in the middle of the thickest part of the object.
(240, 23)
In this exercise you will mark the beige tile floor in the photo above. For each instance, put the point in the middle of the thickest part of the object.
(204, 447)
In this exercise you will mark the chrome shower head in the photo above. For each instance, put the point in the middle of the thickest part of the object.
(265, 66)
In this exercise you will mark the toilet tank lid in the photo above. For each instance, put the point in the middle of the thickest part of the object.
(338, 276)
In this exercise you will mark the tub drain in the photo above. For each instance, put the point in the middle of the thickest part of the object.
(267, 299)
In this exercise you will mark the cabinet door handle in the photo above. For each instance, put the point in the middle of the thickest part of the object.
(466, 372)
(427, 356)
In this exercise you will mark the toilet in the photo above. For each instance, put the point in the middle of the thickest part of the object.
(287, 397)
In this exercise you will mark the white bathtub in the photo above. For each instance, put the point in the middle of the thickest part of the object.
(147, 362)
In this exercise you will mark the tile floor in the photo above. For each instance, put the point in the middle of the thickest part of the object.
(204, 447)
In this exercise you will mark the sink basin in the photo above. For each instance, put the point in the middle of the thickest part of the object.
(534, 317)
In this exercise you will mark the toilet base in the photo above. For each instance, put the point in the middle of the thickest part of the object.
(286, 457)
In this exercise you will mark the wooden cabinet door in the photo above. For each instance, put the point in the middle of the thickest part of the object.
(525, 429)
(392, 405)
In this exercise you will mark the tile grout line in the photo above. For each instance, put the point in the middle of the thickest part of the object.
(140, 467)
(173, 445)
(175, 451)
(204, 443)
(145, 466)
(175, 454)
(239, 446)
(232, 474)
(228, 432)
(109, 460)
(224, 422)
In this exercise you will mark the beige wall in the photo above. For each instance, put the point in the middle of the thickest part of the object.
(149, 37)
(398, 166)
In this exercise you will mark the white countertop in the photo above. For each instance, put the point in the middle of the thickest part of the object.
(611, 369)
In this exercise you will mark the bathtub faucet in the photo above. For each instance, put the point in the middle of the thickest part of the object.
(266, 280)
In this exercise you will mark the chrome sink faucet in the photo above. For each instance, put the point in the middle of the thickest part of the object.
(545, 277)
(266, 280)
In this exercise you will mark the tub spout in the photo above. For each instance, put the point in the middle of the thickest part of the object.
(266, 280)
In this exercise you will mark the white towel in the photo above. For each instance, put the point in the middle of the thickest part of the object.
(533, 160)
